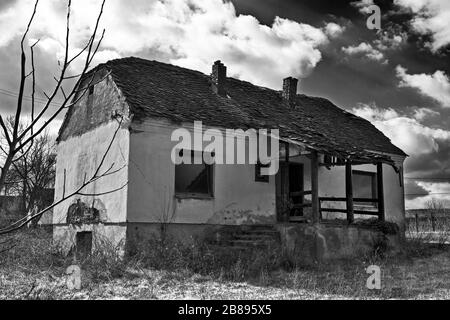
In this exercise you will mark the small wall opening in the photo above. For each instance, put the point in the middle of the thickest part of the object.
(84, 244)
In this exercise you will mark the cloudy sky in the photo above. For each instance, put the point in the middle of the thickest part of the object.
(397, 77)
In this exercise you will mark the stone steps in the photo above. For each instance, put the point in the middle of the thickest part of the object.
(249, 237)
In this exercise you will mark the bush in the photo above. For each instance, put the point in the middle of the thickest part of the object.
(32, 248)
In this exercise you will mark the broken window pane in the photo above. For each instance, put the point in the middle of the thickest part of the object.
(193, 178)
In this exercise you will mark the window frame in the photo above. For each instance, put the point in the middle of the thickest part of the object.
(373, 175)
(211, 180)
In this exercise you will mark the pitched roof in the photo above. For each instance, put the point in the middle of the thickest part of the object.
(155, 89)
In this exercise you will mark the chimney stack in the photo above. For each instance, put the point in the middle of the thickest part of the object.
(218, 77)
(290, 89)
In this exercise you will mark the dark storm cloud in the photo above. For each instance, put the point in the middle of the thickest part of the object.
(413, 190)
(433, 165)
(46, 67)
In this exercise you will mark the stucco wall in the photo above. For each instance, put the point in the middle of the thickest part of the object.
(238, 198)
(394, 196)
(80, 156)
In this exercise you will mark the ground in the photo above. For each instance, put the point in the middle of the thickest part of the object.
(30, 268)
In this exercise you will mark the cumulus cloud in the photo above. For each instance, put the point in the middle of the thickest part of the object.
(363, 6)
(366, 50)
(390, 40)
(404, 131)
(430, 17)
(188, 33)
(435, 86)
(333, 29)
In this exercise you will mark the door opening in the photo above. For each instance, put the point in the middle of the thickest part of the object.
(290, 192)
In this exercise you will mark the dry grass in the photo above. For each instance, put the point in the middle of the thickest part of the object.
(33, 269)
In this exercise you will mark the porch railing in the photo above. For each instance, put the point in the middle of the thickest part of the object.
(375, 201)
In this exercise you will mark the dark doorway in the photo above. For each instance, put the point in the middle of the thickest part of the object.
(296, 189)
(84, 244)
(289, 192)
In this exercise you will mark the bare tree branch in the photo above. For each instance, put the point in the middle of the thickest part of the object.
(17, 140)
(79, 191)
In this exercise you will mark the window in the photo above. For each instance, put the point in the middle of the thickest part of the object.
(258, 176)
(194, 179)
(364, 184)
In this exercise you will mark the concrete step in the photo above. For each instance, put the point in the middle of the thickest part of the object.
(249, 237)
(256, 237)
(251, 243)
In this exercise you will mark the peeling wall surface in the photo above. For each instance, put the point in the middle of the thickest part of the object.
(104, 236)
(80, 156)
(94, 110)
(238, 198)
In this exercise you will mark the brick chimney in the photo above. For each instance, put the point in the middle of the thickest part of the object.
(290, 89)
(218, 77)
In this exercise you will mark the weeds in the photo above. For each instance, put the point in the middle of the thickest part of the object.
(35, 269)
(199, 257)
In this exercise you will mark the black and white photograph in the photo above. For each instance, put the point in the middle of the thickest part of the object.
(224, 155)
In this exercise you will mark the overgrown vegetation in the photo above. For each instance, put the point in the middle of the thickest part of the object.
(430, 226)
(199, 257)
(33, 268)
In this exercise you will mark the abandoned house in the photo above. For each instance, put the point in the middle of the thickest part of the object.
(338, 190)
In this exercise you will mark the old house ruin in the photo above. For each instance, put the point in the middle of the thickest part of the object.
(340, 179)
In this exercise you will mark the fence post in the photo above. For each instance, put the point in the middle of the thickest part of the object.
(315, 207)
(433, 223)
(380, 191)
(349, 190)
(417, 222)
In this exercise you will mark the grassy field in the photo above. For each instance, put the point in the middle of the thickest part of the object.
(31, 268)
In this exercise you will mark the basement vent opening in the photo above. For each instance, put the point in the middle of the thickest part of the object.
(83, 244)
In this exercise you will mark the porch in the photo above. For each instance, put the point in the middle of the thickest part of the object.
(297, 202)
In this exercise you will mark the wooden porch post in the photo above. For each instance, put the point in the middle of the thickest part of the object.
(349, 190)
(380, 193)
(315, 187)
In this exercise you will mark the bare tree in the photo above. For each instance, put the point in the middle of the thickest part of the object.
(32, 175)
(434, 207)
(19, 142)
(19, 139)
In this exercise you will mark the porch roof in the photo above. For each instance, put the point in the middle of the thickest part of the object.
(159, 90)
